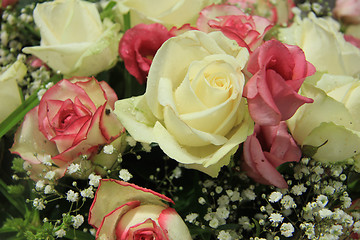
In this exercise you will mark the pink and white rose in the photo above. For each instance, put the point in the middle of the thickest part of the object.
(265, 150)
(124, 211)
(278, 72)
(248, 31)
(73, 120)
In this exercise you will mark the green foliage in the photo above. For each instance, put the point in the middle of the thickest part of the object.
(15, 189)
(107, 12)
(17, 165)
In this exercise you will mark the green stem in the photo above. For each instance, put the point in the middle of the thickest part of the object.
(13, 201)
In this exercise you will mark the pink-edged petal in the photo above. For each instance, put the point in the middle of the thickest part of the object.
(174, 31)
(125, 192)
(173, 225)
(213, 11)
(93, 91)
(109, 222)
(110, 94)
(110, 125)
(30, 143)
(140, 228)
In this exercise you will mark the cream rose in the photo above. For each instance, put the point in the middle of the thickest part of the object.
(332, 121)
(74, 40)
(193, 106)
(167, 12)
(9, 90)
(323, 44)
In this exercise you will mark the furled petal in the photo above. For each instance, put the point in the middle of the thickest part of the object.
(125, 192)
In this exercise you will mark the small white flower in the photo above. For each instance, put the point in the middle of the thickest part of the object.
(223, 200)
(38, 203)
(40, 185)
(93, 231)
(328, 190)
(218, 189)
(356, 226)
(318, 170)
(176, 172)
(201, 200)
(94, 180)
(336, 230)
(131, 141)
(87, 193)
(325, 213)
(287, 229)
(275, 197)
(321, 200)
(245, 223)
(222, 212)
(50, 175)
(276, 218)
(60, 233)
(48, 189)
(125, 175)
(346, 201)
(191, 217)
(72, 196)
(47, 160)
(249, 194)
(214, 223)
(40, 93)
(73, 168)
(235, 196)
(288, 202)
(77, 220)
(146, 147)
(298, 189)
(223, 235)
(108, 149)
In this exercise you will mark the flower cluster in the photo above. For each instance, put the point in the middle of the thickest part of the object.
(201, 119)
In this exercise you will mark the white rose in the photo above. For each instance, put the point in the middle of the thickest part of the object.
(332, 121)
(193, 106)
(9, 90)
(74, 41)
(167, 12)
(324, 45)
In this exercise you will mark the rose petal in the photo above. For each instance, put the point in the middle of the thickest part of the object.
(173, 225)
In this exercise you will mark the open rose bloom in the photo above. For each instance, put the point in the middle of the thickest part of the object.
(74, 118)
(124, 211)
(193, 105)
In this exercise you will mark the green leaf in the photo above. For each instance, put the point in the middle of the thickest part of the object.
(17, 165)
(310, 151)
(15, 189)
(127, 21)
(16, 202)
(108, 12)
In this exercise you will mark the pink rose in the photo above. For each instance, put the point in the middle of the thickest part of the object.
(265, 150)
(347, 11)
(75, 117)
(277, 12)
(248, 31)
(6, 3)
(138, 47)
(124, 211)
(278, 72)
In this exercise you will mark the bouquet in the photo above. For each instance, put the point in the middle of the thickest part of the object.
(192, 119)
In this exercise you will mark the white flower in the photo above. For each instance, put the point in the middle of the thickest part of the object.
(218, 189)
(346, 201)
(325, 213)
(318, 170)
(48, 189)
(73, 168)
(38, 203)
(321, 200)
(125, 175)
(214, 223)
(201, 200)
(50, 175)
(287, 229)
(223, 200)
(191, 217)
(94, 180)
(77, 220)
(88, 192)
(40, 185)
(328, 190)
(275, 197)
(288, 202)
(223, 235)
(276, 217)
(108, 149)
(47, 160)
(298, 189)
(235, 196)
(60, 233)
(131, 141)
(356, 226)
(222, 212)
(245, 223)
(176, 173)
(72, 196)
(249, 194)
(336, 230)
